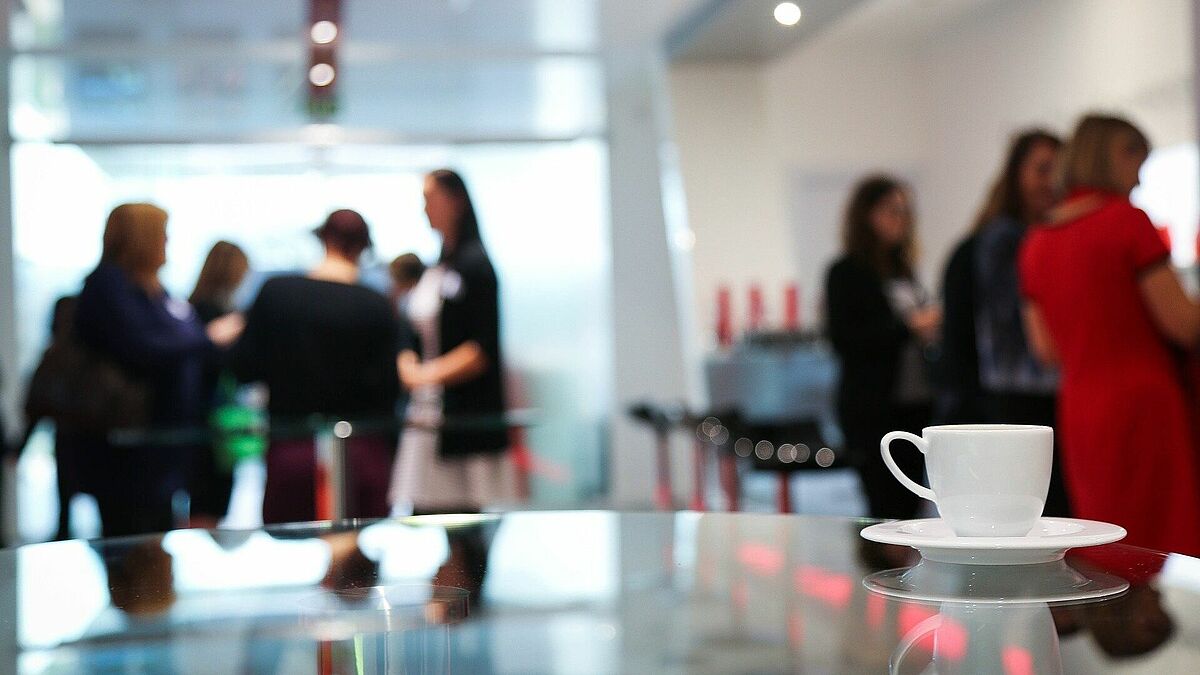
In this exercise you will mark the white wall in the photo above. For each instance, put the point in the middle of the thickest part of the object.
(930, 91)
(735, 197)
(1022, 62)
(842, 105)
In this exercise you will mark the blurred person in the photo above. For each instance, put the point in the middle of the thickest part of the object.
(211, 483)
(1104, 304)
(123, 314)
(49, 383)
(454, 458)
(405, 271)
(988, 373)
(326, 348)
(881, 322)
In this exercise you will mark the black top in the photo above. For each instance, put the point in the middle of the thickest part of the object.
(471, 312)
(959, 396)
(208, 311)
(868, 337)
(323, 349)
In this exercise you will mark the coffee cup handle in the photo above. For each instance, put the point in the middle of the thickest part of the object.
(906, 643)
(922, 445)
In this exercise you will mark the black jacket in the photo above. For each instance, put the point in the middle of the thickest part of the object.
(868, 338)
(959, 396)
(471, 312)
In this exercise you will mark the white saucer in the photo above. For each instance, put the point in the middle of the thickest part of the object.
(1048, 541)
(1052, 583)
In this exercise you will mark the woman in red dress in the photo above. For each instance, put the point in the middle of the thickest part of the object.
(1104, 303)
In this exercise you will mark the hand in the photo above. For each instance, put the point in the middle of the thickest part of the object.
(414, 373)
(926, 323)
(225, 330)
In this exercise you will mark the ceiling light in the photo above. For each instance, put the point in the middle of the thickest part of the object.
(787, 13)
(324, 32)
(321, 74)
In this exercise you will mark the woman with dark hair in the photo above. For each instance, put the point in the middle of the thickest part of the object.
(987, 372)
(224, 269)
(124, 315)
(326, 347)
(1104, 304)
(452, 457)
(211, 484)
(881, 323)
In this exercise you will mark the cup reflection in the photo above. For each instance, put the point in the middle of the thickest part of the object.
(985, 638)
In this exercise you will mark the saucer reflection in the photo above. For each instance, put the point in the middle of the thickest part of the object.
(1052, 582)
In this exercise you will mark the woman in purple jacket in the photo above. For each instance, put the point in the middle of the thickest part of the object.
(125, 316)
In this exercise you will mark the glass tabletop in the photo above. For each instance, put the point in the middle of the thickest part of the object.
(584, 592)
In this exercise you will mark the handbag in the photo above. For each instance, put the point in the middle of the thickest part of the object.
(83, 390)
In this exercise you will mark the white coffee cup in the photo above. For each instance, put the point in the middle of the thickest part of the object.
(988, 480)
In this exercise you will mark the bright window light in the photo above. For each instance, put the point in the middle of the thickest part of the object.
(787, 13)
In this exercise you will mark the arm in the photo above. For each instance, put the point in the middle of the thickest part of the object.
(111, 313)
(1175, 315)
(473, 356)
(1040, 341)
(1171, 311)
(461, 364)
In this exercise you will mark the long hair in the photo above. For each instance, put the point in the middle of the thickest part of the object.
(858, 235)
(132, 236)
(223, 270)
(467, 225)
(1087, 160)
(1004, 198)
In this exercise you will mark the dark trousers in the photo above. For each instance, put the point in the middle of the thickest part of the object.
(886, 497)
(121, 516)
(290, 495)
(1034, 409)
(133, 485)
(210, 484)
(67, 469)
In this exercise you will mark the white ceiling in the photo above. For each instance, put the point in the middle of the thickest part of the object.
(746, 31)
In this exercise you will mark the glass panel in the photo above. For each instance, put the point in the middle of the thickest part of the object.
(478, 24)
(442, 24)
(554, 97)
(99, 99)
(38, 24)
(228, 97)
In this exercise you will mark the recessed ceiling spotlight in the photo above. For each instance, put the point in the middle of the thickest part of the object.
(321, 74)
(324, 32)
(787, 13)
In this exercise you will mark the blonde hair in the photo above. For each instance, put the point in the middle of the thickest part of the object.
(132, 237)
(223, 269)
(1087, 159)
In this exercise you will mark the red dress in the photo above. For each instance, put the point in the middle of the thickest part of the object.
(1124, 418)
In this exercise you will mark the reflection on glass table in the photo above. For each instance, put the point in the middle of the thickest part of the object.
(581, 592)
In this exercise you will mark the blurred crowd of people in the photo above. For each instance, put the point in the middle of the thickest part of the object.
(132, 377)
(1060, 307)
